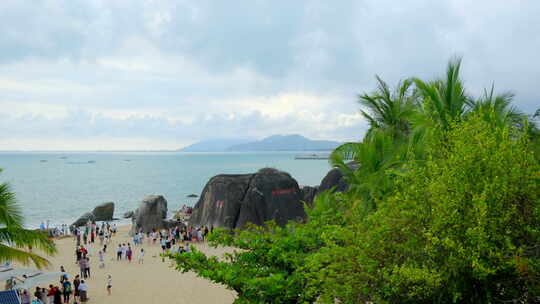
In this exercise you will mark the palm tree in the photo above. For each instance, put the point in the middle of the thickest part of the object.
(387, 110)
(497, 109)
(16, 242)
(444, 100)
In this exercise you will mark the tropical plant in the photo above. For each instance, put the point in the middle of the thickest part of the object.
(443, 100)
(497, 109)
(460, 227)
(16, 242)
(389, 110)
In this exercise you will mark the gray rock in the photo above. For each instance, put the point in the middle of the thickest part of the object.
(234, 200)
(308, 194)
(271, 195)
(220, 201)
(84, 219)
(128, 214)
(104, 212)
(150, 215)
(335, 179)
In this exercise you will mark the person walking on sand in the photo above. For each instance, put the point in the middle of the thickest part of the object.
(129, 252)
(141, 256)
(57, 295)
(101, 259)
(76, 283)
(109, 284)
(66, 290)
(83, 289)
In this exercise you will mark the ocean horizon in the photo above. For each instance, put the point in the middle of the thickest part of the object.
(59, 186)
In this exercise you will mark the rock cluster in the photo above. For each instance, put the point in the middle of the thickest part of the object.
(235, 200)
(102, 212)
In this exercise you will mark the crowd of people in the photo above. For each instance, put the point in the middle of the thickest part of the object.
(173, 240)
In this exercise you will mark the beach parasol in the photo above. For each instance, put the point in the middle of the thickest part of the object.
(7, 273)
(38, 279)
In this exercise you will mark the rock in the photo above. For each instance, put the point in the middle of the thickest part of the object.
(308, 194)
(271, 195)
(220, 201)
(128, 214)
(234, 200)
(150, 215)
(104, 212)
(334, 179)
(83, 220)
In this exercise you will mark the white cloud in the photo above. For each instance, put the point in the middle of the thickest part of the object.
(161, 74)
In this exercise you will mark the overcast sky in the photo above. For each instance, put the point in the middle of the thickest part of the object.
(162, 74)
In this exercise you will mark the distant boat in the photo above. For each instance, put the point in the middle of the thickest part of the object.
(127, 160)
(91, 161)
(43, 161)
(63, 157)
(312, 156)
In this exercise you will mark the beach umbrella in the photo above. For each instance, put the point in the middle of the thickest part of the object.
(38, 279)
(7, 273)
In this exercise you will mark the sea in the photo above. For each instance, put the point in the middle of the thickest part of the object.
(56, 188)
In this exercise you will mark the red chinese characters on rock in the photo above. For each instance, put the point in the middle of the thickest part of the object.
(283, 191)
(219, 204)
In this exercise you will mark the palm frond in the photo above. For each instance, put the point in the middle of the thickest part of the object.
(8, 253)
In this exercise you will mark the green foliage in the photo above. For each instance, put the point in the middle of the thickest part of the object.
(15, 241)
(443, 206)
(460, 227)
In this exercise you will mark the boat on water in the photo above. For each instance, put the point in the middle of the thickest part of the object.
(312, 156)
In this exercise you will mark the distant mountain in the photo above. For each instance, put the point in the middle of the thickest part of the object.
(293, 142)
(214, 145)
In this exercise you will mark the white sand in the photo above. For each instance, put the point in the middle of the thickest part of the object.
(152, 282)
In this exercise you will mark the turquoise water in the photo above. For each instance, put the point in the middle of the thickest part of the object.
(59, 187)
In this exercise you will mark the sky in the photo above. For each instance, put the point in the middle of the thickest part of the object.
(153, 75)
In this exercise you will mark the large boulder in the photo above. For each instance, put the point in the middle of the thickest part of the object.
(128, 214)
(220, 201)
(308, 194)
(271, 195)
(151, 214)
(234, 200)
(335, 179)
(104, 212)
(84, 219)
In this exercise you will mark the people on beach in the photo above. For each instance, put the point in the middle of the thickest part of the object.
(141, 256)
(101, 259)
(25, 297)
(83, 291)
(109, 284)
(66, 290)
(76, 283)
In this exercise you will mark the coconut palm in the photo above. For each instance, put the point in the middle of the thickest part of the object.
(16, 242)
(443, 100)
(386, 111)
(497, 109)
(389, 110)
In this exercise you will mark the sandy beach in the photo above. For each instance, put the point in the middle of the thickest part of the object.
(152, 282)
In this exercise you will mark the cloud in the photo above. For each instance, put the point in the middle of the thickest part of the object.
(165, 73)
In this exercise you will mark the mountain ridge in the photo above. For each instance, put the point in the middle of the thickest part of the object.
(288, 142)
